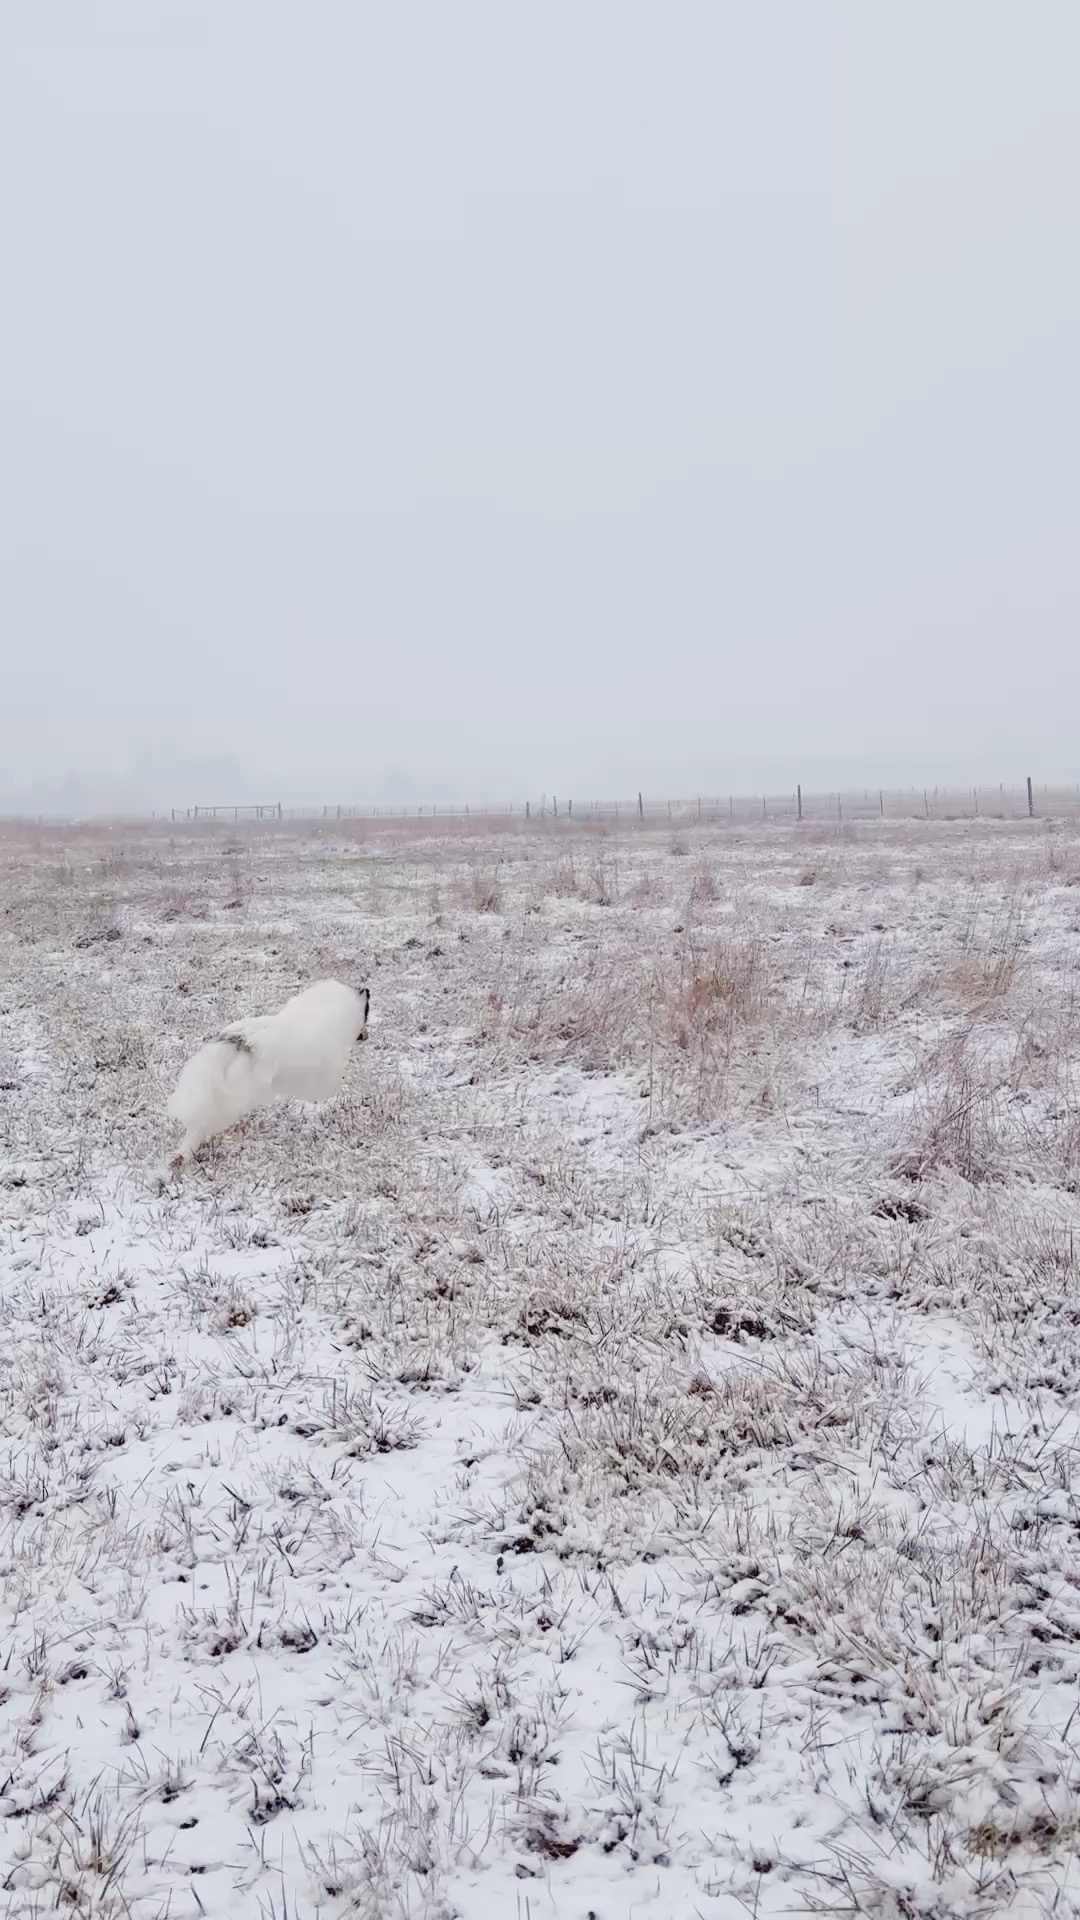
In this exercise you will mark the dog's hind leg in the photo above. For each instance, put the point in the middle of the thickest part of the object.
(185, 1152)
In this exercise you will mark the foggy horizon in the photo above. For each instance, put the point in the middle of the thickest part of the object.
(464, 406)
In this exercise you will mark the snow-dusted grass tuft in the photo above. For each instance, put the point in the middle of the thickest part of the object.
(622, 1455)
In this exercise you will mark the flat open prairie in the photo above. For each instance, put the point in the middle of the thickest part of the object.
(623, 1457)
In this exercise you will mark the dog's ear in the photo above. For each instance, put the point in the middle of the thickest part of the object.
(365, 1001)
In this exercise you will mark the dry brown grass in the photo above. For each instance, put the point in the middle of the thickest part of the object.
(721, 985)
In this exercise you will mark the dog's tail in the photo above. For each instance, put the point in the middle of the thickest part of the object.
(218, 1086)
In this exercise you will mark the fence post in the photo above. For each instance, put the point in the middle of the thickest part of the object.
(555, 806)
(926, 803)
(279, 809)
(881, 802)
(798, 799)
(1031, 800)
(839, 808)
(640, 808)
(526, 809)
(569, 809)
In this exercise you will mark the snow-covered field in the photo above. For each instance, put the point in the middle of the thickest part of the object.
(622, 1458)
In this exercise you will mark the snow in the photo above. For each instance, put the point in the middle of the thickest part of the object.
(620, 1457)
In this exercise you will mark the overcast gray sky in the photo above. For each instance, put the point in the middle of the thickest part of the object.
(477, 398)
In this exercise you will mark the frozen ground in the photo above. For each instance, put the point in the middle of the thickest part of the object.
(621, 1460)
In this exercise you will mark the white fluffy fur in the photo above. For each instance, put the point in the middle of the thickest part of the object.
(297, 1054)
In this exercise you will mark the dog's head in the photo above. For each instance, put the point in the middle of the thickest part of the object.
(363, 994)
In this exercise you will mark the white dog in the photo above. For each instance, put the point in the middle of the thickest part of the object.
(297, 1054)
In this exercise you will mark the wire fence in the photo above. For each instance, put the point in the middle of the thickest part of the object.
(865, 804)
